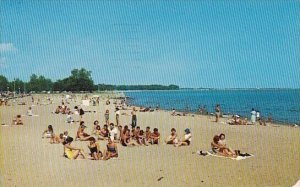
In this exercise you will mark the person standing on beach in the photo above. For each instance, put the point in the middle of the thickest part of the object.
(253, 116)
(218, 112)
(117, 116)
(133, 121)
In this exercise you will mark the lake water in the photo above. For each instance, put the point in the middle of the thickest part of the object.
(282, 105)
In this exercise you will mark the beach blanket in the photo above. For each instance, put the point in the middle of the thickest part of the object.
(210, 153)
(86, 102)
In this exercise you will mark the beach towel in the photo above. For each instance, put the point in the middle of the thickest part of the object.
(297, 184)
(210, 153)
(86, 102)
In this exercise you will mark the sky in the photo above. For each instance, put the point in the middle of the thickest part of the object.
(199, 43)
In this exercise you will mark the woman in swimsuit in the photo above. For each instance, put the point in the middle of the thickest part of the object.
(112, 150)
(220, 149)
(95, 149)
(72, 152)
(81, 135)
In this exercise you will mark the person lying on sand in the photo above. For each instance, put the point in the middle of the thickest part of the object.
(81, 135)
(172, 138)
(186, 139)
(17, 120)
(155, 136)
(95, 149)
(72, 152)
(219, 149)
(174, 113)
(112, 150)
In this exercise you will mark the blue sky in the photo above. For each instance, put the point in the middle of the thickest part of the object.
(220, 44)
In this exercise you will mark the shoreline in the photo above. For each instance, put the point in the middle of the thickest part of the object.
(38, 158)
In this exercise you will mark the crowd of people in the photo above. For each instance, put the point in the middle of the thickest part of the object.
(112, 134)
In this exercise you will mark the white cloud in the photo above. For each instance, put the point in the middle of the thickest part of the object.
(7, 47)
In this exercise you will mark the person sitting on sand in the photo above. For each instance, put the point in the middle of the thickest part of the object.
(81, 135)
(219, 149)
(103, 133)
(95, 149)
(48, 133)
(112, 150)
(155, 136)
(222, 142)
(113, 132)
(69, 118)
(147, 134)
(72, 152)
(136, 132)
(126, 139)
(141, 138)
(17, 120)
(29, 112)
(57, 110)
(94, 130)
(186, 139)
(172, 138)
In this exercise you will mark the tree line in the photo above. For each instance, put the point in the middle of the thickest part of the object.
(79, 80)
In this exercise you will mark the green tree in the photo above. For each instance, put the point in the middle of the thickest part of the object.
(3, 83)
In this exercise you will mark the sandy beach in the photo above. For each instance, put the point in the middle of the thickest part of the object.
(28, 160)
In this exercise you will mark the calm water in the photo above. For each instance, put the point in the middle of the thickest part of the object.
(282, 105)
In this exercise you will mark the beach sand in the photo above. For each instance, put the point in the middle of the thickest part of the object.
(28, 160)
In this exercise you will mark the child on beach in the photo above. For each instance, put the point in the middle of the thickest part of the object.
(72, 152)
(172, 138)
(186, 139)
